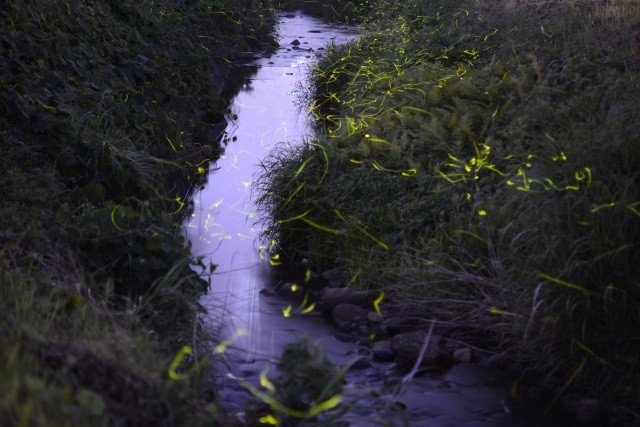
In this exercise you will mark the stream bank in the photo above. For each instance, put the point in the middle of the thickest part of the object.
(264, 307)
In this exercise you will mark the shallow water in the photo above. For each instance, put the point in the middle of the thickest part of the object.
(222, 229)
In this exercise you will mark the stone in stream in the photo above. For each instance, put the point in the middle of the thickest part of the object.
(382, 351)
(463, 355)
(397, 324)
(296, 42)
(407, 347)
(348, 313)
(374, 317)
(332, 297)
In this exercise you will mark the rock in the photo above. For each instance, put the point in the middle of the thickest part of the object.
(345, 327)
(397, 324)
(407, 347)
(335, 284)
(296, 42)
(350, 313)
(333, 297)
(463, 355)
(382, 351)
(374, 317)
(290, 290)
(335, 274)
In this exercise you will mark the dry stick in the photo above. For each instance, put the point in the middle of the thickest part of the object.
(423, 350)
(410, 375)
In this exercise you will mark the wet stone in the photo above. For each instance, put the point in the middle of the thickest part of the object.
(335, 274)
(333, 297)
(382, 351)
(296, 42)
(374, 317)
(397, 324)
(347, 313)
(345, 327)
(407, 346)
(463, 355)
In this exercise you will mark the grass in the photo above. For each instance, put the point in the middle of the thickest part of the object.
(107, 116)
(477, 163)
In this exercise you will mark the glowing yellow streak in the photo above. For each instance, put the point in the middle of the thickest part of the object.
(567, 384)
(180, 202)
(293, 194)
(48, 107)
(286, 312)
(451, 180)
(264, 381)
(307, 275)
(309, 309)
(176, 362)
(330, 403)
(321, 227)
(222, 347)
(362, 229)
(569, 285)
(312, 412)
(274, 261)
(357, 162)
(632, 208)
(113, 217)
(493, 169)
(550, 182)
(482, 212)
(591, 352)
(269, 419)
(494, 310)
(294, 218)
(173, 147)
(300, 169)
(326, 160)
(376, 304)
(606, 205)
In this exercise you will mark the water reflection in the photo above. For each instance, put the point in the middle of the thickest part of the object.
(222, 227)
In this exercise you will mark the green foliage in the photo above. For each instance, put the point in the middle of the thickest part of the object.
(479, 163)
(307, 390)
(109, 111)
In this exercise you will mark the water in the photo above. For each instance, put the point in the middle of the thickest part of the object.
(222, 229)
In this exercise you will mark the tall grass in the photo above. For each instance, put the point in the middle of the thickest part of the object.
(479, 163)
(107, 114)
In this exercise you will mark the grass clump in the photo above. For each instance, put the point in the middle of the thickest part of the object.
(109, 111)
(478, 163)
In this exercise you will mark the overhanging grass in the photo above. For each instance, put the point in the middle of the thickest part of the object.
(479, 163)
(107, 114)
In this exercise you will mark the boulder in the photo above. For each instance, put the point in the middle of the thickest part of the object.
(382, 351)
(332, 297)
(397, 324)
(463, 355)
(348, 313)
(407, 347)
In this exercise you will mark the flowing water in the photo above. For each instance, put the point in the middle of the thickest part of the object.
(222, 229)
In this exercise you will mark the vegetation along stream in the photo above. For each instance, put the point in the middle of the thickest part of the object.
(267, 310)
(432, 220)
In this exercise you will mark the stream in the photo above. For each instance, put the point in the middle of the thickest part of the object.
(223, 229)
